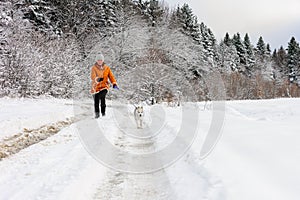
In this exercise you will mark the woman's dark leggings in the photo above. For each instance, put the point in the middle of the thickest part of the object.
(100, 96)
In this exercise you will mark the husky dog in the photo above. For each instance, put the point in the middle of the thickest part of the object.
(139, 116)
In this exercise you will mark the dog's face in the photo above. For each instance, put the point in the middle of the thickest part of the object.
(139, 111)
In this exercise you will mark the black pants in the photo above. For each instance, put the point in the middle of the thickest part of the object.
(100, 96)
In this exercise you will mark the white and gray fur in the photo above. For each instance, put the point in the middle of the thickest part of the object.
(139, 116)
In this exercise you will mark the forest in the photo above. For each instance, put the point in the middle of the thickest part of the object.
(47, 48)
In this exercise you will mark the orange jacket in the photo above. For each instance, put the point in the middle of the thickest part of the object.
(104, 73)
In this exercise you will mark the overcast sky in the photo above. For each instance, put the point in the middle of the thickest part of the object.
(275, 20)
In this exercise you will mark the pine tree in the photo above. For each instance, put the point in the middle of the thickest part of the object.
(152, 10)
(227, 40)
(261, 48)
(281, 57)
(195, 33)
(208, 41)
(237, 42)
(102, 15)
(186, 18)
(44, 15)
(280, 64)
(293, 61)
(188, 22)
(249, 53)
(155, 12)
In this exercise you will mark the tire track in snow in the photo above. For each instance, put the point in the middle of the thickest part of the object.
(123, 186)
(162, 185)
(14, 144)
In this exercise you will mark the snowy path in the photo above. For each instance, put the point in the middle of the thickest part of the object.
(164, 183)
(61, 168)
(256, 158)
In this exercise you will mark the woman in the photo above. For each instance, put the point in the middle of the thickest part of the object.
(100, 73)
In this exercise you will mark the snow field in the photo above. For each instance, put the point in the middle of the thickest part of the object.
(258, 155)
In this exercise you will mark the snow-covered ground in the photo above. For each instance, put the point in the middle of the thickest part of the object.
(17, 114)
(256, 158)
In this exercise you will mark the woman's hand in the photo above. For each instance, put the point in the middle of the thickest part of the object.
(115, 86)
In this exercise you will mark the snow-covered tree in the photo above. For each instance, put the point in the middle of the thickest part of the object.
(228, 57)
(43, 14)
(6, 9)
(293, 60)
(280, 58)
(227, 41)
(15, 50)
(167, 60)
(208, 40)
(237, 42)
(103, 15)
(186, 18)
(188, 22)
(261, 48)
(153, 10)
(249, 54)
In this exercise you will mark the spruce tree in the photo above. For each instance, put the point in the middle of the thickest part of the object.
(279, 58)
(155, 11)
(186, 19)
(208, 41)
(195, 31)
(103, 14)
(237, 42)
(227, 40)
(293, 53)
(152, 10)
(261, 47)
(249, 53)
(188, 22)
